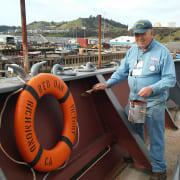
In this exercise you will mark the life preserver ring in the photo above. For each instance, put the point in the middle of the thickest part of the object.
(27, 142)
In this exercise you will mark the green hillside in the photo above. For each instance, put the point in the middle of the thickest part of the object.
(88, 27)
(90, 23)
(167, 34)
(110, 29)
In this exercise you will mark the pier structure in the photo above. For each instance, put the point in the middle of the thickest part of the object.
(15, 52)
(67, 61)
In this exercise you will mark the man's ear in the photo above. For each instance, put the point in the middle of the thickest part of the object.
(152, 32)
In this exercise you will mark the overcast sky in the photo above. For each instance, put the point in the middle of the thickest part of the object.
(123, 11)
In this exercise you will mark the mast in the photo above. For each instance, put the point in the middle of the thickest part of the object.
(24, 35)
(99, 47)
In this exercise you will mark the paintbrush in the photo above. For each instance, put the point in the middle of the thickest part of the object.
(87, 93)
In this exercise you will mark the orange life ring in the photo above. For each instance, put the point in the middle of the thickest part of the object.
(27, 142)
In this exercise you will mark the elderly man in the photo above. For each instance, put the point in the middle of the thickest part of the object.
(149, 67)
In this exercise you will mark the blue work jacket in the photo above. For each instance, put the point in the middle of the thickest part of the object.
(157, 71)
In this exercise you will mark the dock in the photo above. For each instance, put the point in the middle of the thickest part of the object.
(68, 61)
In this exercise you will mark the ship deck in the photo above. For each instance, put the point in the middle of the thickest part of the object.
(107, 127)
(171, 155)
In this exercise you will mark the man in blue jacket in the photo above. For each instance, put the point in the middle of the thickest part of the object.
(149, 67)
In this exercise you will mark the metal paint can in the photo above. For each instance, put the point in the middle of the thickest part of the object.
(137, 111)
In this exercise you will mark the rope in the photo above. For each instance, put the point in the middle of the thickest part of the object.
(66, 163)
(78, 135)
(22, 80)
(1, 147)
(5, 103)
(46, 175)
(24, 163)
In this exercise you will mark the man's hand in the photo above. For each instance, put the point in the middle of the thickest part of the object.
(100, 86)
(145, 92)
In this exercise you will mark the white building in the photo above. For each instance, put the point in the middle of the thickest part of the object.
(123, 39)
(157, 24)
(168, 24)
(164, 24)
(7, 39)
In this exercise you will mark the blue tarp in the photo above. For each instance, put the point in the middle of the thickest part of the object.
(178, 56)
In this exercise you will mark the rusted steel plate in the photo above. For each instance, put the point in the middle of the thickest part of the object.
(95, 135)
(121, 91)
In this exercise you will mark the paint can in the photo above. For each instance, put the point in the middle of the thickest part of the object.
(137, 111)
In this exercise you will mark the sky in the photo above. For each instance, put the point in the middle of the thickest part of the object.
(124, 11)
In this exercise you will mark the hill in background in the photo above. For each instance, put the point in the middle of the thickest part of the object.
(90, 23)
(82, 27)
(88, 27)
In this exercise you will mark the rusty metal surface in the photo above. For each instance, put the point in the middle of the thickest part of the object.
(126, 135)
(174, 92)
(95, 135)
(24, 35)
(102, 124)
(13, 83)
(123, 88)
(99, 38)
(169, 120)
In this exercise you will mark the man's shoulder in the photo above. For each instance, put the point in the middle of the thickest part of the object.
(160, 46)
(133, 49)
(161, 50)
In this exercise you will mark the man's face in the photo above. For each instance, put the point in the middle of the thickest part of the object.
(143, 40)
